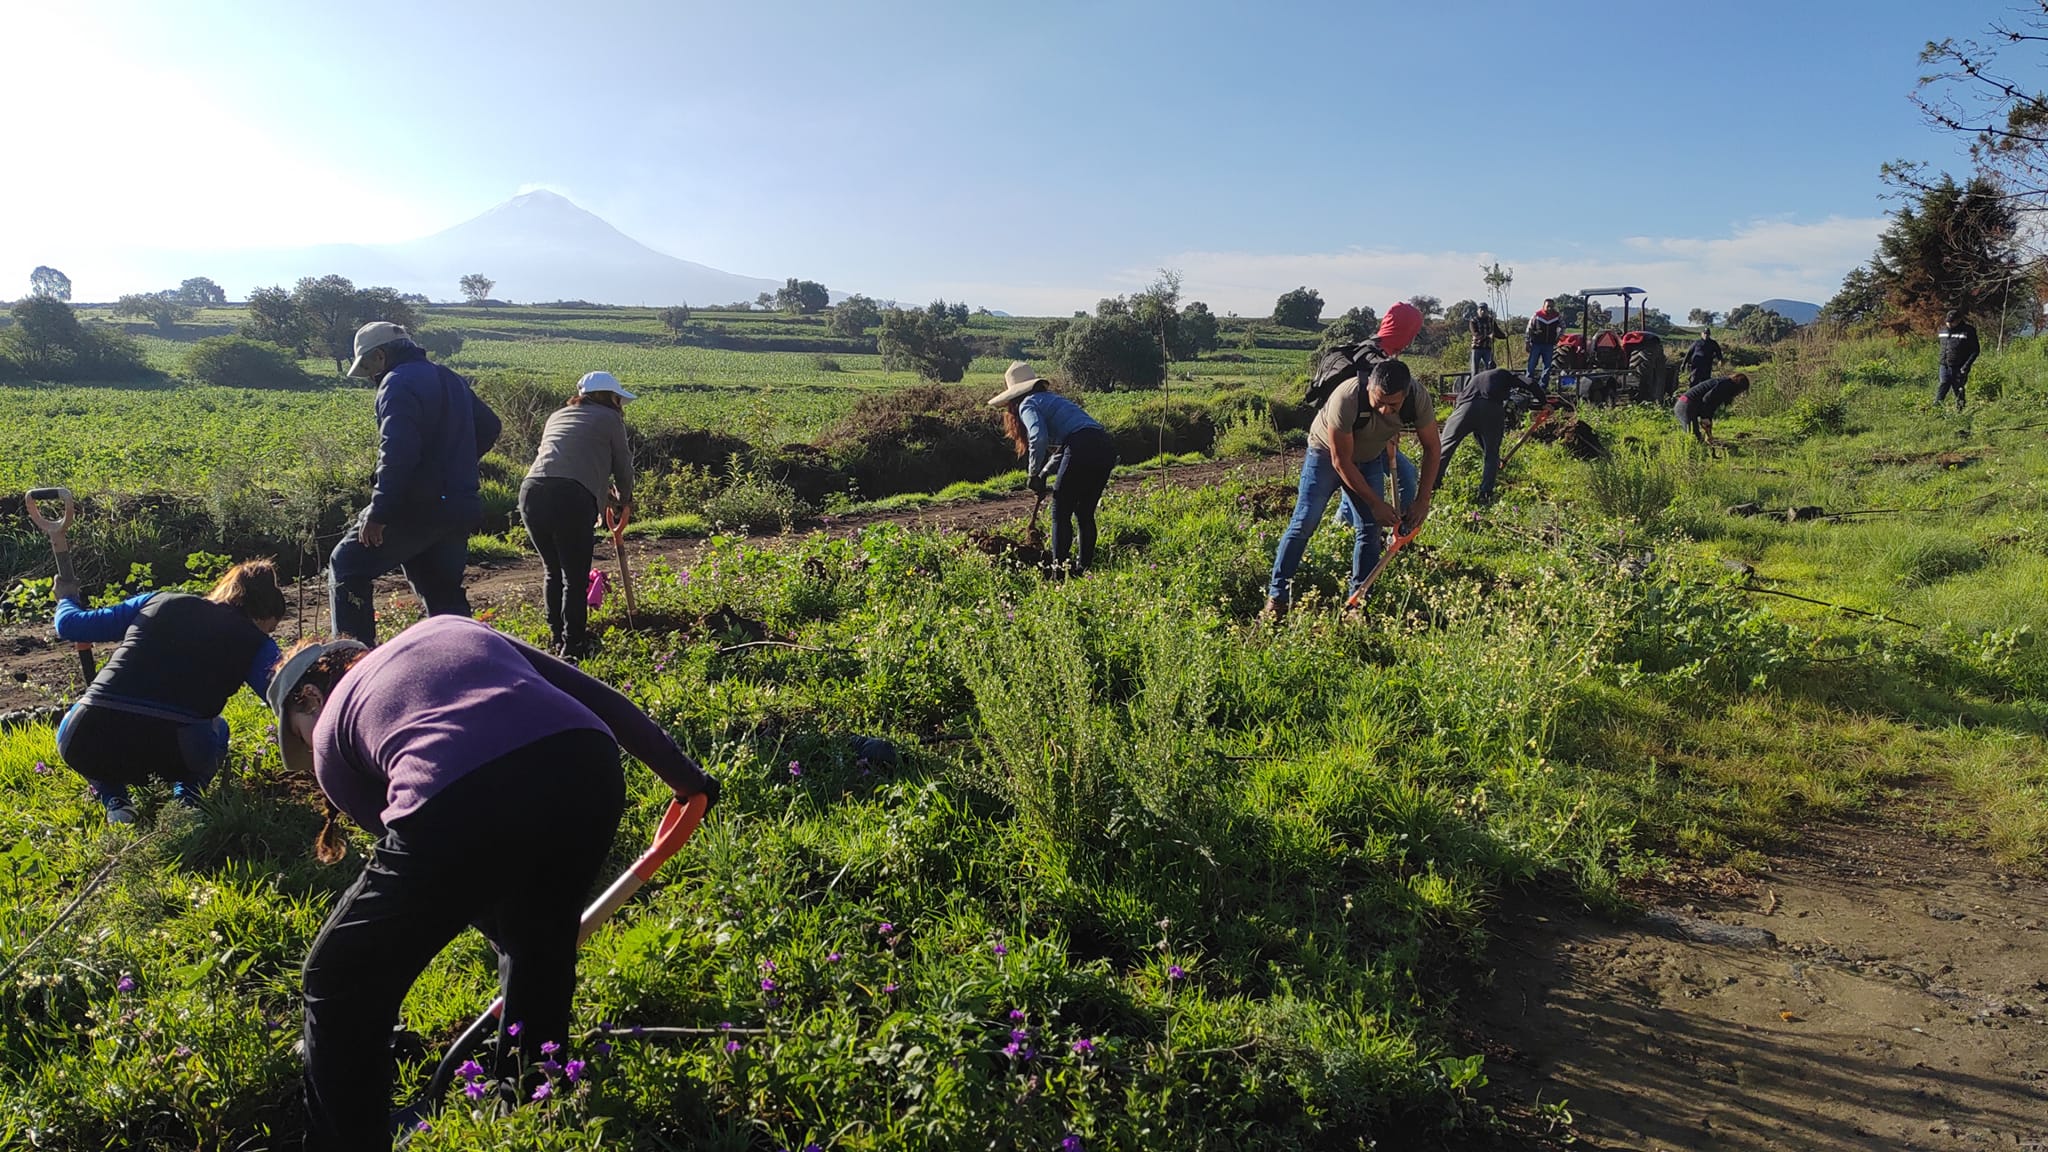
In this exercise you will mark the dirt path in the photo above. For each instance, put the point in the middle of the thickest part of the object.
(38, 672)
(1877, 988)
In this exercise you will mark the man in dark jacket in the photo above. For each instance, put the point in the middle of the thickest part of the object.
(431, 431)
(1701, 357)
(1485, 330)
(1544, 329)
(1482, 412)
(1958, 340)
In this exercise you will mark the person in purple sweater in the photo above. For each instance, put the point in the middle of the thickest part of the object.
(490, 772)
(154, 709)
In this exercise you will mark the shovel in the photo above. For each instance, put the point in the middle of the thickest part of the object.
(615, 519)
(677, 826)
(61, 548)
(1542, 414)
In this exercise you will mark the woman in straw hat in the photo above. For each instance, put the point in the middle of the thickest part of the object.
(490, 772)
(1064, 450)
(583, 460)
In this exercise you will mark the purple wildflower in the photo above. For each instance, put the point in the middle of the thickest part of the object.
(181, 1052)
(1011, 1049)
(125, 984)
(1016, 1013)
(889, 989)
(550, 1048)
(725, 1025)
(767, 965)
(732, 1045)
(602, 1047)
(550, 1067)
(1071, 1144)
(423, 1126)
(1084, 1047)
(812, 1148)
(832, 957)
(1020, 1034)
(767, 985)
(603, 1026)
(885, 928)
(474, 1089)
(469, 1068)
(513, 1029)
(42, 769)
(1000, 950)
(1175, 972)
(636, 1031)
(573, 1070)
(543, 1090)
(795, 769)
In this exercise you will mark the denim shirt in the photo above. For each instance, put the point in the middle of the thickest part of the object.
(1049, 419)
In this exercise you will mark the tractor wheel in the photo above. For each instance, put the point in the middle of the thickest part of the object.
(1648, 369)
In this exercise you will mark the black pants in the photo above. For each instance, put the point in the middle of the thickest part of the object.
(1699, 372)
(1486, 419)
(113, 749)
(1084, 472)
(513, 848)
(559, 514)
(1952, 380)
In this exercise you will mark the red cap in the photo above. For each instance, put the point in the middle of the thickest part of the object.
(1398, 327)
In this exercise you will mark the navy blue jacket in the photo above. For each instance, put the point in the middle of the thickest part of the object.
(1958, 345)
(431, 431)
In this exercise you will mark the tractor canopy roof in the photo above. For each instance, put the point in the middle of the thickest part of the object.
(1611, 292)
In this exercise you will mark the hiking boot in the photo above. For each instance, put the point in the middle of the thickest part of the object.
(1275, 610)
(120, 810)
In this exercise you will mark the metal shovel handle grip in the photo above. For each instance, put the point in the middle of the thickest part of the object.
(678, 824)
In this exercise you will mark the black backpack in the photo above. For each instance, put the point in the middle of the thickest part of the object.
(1338, 365)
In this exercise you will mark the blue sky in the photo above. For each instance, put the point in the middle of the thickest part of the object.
(1030, 157)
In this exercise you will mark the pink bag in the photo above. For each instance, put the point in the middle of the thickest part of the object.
(599, 583)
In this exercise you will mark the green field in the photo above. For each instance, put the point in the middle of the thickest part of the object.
(1225, 879)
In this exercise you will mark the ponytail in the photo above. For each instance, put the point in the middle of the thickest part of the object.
(328, 846)
(252, 587)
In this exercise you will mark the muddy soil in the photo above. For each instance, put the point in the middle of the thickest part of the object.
(1876, 988)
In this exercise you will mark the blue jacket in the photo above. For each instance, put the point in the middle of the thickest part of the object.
(431, 431)
(1049, 419)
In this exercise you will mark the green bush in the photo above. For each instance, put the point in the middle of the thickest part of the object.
(917, 439)
(1813, 416)
(237, 362)
(756, 502)
(1632, 485)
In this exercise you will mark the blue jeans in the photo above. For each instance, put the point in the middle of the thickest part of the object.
(432, 551)
(1482, 357)
(1547, 353)
(1312, 498)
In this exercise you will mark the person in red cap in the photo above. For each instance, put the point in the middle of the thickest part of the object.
(1351, 447)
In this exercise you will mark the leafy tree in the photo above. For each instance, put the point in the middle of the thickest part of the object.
(1859, 301)
(1300, 308)
(765, 301)
(47, 282)
(1658, 321)
(48, 343)
(165, 309)
(1101, 352)
(329, 309)
(1157, 308)
(674, 319)
(476, 287)
(46, 323)
(1359, 323)
(1458, 315)
(440, 343)
(201, 292)
(1975, 93)
(1759, 325)
(1197, 332)
(1111, 306)
(802, 297)
(1701, 318)
(274, 318)
(1955, 246)
(1498, 280)
(924, 342)
(1429, 306)
(853, 316)
(958, 313)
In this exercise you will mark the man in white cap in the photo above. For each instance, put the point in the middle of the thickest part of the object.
(431, 431)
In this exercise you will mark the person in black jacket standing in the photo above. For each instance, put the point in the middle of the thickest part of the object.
(431, 431)
(1701, 357)
(1482, 412)
(1958, 340)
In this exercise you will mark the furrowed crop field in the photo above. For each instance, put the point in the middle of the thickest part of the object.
(1153, 872)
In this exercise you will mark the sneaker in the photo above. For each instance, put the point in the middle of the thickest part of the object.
(187, 794)
(119, 809)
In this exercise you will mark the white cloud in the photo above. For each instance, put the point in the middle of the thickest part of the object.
(1760, 260)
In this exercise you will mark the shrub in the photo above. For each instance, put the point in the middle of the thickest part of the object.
(756, 501)
(1096, 353)
(917, 439)
(238, 362)
(440, 343)
(1812, 415)
(46, 342)
(1633, 486)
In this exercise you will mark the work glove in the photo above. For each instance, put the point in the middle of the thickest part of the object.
(1038, 484)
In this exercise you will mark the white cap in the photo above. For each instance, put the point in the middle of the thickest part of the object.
(372, 336)
(603, 382)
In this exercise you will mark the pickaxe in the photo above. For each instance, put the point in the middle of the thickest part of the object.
(66, 586)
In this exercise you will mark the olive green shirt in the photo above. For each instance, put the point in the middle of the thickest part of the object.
(1370, 439)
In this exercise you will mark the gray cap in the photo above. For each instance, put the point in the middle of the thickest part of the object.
(297, 756)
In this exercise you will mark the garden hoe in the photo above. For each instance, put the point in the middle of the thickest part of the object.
(1358, 597)
(677, 826)
(615, 519)
(67, 576)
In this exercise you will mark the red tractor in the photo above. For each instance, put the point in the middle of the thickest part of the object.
(1612, 364)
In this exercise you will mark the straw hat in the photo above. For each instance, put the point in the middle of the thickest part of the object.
(1018, 381)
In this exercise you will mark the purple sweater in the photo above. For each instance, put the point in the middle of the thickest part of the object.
(448, 695)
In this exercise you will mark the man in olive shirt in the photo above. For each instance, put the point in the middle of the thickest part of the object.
(1348, 447)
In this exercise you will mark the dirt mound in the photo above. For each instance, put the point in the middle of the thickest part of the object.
(1574, 435)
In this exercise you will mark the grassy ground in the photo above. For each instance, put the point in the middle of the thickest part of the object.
(1151, 873)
